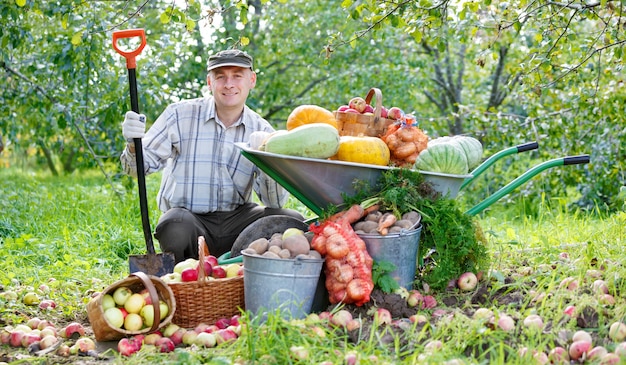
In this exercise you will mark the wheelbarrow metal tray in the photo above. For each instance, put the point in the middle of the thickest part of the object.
(318, 183)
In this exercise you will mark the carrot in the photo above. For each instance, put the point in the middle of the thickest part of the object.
(386, 221)
(352, 215)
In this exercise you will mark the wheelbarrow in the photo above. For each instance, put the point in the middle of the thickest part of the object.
(320, 183)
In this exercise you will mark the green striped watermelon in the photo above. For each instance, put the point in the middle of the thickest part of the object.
(442, 157)
(472, 148)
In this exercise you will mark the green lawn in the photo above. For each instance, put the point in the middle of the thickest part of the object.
(75, 233)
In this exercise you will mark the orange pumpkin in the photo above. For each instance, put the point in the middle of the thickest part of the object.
(307, 114)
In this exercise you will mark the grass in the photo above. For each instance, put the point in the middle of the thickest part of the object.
(79, 231)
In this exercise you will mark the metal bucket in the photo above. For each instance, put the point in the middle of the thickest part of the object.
(400, 249)
(285, 285)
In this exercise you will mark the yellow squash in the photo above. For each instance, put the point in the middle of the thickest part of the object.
(363, 149)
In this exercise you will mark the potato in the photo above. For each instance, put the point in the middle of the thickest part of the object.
(297, 244)
(315, 255)
(284, 253)
(270, 255)
(374, 216)
(275, 249)
(395, 229)
(366, 226)
(249, 251)
(412, 216)
(403, 223)
(259, 245)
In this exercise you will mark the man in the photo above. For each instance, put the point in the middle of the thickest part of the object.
(206, 184)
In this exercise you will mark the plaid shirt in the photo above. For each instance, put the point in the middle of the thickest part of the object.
(203, 170)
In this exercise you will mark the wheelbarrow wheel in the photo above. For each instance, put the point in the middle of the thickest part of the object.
(264, 228)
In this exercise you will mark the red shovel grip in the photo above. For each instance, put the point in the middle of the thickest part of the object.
(129, 55)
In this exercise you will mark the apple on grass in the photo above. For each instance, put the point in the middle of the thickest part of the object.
(382, 316)
(617, 331)
(128, 346)
(165, 344)
(467, 281)
(206, 339)
(151, 338)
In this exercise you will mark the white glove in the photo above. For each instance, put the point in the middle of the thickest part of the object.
(134, 126)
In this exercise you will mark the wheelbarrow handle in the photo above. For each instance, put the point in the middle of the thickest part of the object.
(570, 160)
(495, 157)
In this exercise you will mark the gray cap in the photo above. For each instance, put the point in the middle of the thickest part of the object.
(230, 57)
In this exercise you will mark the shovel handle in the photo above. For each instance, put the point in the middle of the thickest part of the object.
(131, 65)
(129, 55)
(495, 157)
(570, 160)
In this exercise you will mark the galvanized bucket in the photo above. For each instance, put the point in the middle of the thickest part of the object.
(400, 249)
(284, 285)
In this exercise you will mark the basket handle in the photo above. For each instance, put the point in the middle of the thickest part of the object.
(203, 251)
(154, 296)
(379, 102)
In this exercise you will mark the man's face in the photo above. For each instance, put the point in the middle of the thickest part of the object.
(230, 85)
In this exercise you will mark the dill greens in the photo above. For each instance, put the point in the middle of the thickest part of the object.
(448, 235)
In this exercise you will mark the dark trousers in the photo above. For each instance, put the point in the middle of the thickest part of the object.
(178, 228)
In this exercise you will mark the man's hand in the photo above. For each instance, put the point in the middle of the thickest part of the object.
(134, 126)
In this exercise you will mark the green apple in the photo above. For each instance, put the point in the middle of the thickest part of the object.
(121, 294)
(114, 316)
(107, 302)
(147, 313)
(189, 263)
(164, 308)
(134, 303)
(292, 232)
(133, 322)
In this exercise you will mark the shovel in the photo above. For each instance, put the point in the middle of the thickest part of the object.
(152, 263)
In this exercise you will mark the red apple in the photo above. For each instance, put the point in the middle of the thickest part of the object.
(581, 335)
(467, 281)
(73, 329)
(558, 355)
(341, 318)
(350, 110)
(222, 323)
(610, 359)
(85, 344)
(208, 268)
(357, 103)
(48, 341)
(16, 338)
(596, 353)
(177, 337)
(506, 323)
(383, 112)
(128, 346)
(189, 274)
(429, 302)
(353, 324)
(395, 113)
(212, 260)
(219, 272)
(225, 335)
(570, 310)
(30, 338)
(47, 304)
(145, 293)
(165, 344)
(343, 108)
(368, 109)
(382, 316)
(578, 348)
(418, 318)
(415, 298)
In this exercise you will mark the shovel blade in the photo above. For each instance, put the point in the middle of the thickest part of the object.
(152, 264)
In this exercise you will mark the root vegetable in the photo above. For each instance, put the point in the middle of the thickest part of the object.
(296, 244)
(386, 221)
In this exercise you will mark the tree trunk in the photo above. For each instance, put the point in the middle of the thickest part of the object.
(48, 155)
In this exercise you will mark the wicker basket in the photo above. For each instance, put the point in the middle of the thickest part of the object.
(352, 124)
(206, 301)
(136, 282)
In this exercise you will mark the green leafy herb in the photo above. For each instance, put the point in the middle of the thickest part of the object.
(381, 277)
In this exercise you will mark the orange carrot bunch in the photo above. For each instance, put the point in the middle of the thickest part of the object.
(348, 265)
(405, 142)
